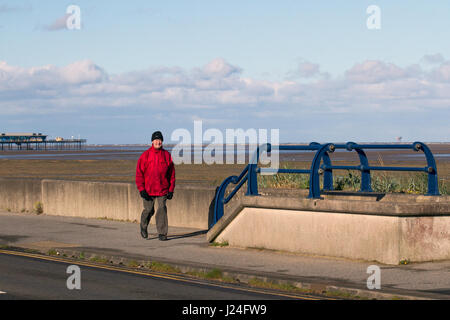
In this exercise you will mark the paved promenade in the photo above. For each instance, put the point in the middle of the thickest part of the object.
(188, 249)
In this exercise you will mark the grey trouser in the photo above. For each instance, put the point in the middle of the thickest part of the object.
(161, 214)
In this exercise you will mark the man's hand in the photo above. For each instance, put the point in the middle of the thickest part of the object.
(170, 195)
(145, 195)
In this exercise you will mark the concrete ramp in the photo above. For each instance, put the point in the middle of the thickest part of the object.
(385, 228)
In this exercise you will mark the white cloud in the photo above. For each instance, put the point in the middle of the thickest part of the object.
(441, 73)
(218, 87)
(373, 71)
(220, 68)
(307, 70)
(83, 72)
(14, 78)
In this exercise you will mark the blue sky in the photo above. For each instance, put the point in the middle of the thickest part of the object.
(309, 68)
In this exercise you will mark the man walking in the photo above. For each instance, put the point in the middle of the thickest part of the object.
(155, 180)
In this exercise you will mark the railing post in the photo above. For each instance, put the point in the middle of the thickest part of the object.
(433, 185)
(219, 199)
(366, 181)
(314, 181)
(328, 173)
(252, 182)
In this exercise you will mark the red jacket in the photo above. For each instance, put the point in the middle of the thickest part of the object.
(155, 172)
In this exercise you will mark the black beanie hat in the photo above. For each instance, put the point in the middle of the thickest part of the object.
(157, 135)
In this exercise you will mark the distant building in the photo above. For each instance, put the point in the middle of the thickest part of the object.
(22, 137)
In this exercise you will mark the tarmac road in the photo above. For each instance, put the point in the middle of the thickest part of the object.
(188, 250)
(24, 277)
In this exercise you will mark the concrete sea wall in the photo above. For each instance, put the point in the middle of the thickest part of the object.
(389, 229)
(384, 239)
(19, 195)
(190, 206)
(384, 228)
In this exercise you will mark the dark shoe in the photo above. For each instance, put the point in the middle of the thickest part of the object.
(144, 233)
(162, 237)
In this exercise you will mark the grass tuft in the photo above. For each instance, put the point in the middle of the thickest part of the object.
(214, 274)
(220, 244)
(38, 207)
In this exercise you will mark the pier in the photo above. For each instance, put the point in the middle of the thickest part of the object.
(72, 144)
(38, 141)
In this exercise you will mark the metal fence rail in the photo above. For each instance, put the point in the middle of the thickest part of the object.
(322, 165)
(365, 168)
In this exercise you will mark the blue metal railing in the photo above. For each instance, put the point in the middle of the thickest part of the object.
(321, 165)
(365, 168)
(249, 175)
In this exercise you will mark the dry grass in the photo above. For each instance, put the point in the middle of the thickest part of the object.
(382, 181)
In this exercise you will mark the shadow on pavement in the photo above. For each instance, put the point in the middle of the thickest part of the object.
(6, 239)
(187, 235)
